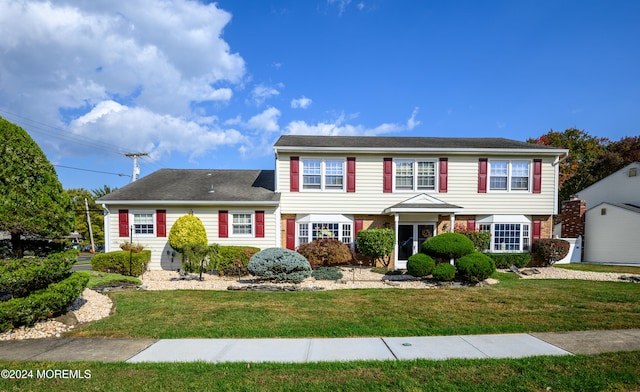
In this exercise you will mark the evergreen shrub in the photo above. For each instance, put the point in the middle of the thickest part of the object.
(232, 260)
(118, 262)
(280, 265)
(444, 272)
(326, 252)
(20, 277)
(420, 265)
(327, 273)
(475, 267)
(506, 260)
(448, 246)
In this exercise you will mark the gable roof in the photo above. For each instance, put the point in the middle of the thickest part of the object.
(391, 143)
(624, 206)
(193, 186)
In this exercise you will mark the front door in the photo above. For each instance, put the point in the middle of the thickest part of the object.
(410, 237)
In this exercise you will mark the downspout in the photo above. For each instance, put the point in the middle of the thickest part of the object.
(107, 234)
(556, 168)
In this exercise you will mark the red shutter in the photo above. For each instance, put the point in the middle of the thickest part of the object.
(161, 223)
(291, 234)
(471, 225)
(536, 231)
(388, 176)
(351, 174)
(294, 174)
(482, 175)
(444, 174)
(223, 224)
(123, 223)
(260, 224)
(537, 175)
(359, 225)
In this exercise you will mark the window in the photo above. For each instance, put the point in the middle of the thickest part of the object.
(508, 237)
(322, 174)
(415, 175)
(509, 175)
(143, 223)
(339, 231)
(242, 224)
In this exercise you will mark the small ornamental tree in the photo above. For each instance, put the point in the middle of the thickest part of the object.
(376, 244)
(550, 250)
(448, 246)
(188, 230)
(326, 252)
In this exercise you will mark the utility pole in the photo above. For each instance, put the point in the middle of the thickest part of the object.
(136, 168)
(86, 205)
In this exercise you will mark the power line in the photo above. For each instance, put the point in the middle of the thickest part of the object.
(93, 171)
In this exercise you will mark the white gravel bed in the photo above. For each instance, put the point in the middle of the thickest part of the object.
(561, 273)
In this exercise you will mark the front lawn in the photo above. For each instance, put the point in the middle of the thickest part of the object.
(516, 305)
(606, 372)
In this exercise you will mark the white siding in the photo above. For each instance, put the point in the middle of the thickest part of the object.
(612, 238)
(462, 190)
(209, 217)
(616, 188)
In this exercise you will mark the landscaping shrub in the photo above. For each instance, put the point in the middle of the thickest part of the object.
(196, 257)
(187, 230)
(232, 260)
(280, 265)
(42, 303)
(118, 262)
(420, 265)
(480, 239)
(326, 252)
(448, 246)
(376, 244)
(20, 277)
(327, 273)
(444, 272)
(475, 267)
(550, 250)
(506, 260)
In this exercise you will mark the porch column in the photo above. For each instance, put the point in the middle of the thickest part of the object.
(396, 219)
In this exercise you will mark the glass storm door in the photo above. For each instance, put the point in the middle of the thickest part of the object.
(410, 239)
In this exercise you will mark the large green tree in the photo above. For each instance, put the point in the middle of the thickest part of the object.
(32, 200)
(584, 151)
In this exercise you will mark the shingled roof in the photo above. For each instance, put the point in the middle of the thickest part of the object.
(194, 185)
(401, 142)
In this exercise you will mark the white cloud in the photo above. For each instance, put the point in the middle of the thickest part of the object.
(301, 103)
(412, 122)
(261, 93)
(341, 4)
(339, 128)
(265, 121)
(155, 59)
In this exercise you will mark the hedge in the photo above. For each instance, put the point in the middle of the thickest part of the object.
(118, 262)
(54, 299)
(20, 277)
(232, 260)
(506, 260)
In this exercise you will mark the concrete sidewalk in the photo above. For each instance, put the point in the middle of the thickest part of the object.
(320, 349)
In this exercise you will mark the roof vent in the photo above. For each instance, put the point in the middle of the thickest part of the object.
(211, 190)
(633, 172)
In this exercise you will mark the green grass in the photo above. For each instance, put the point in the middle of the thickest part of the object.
(600, 268)
(514, 305)
(99, 279)
(606, 372)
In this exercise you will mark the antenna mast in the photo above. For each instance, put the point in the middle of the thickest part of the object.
(136, 168)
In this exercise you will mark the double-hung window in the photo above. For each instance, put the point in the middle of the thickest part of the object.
(509, 175)
(415, 175)
(323, 174)
(242, 224)
(143, 223)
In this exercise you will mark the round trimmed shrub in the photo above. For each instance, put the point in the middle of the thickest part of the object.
(475, 267)
(444, 272)
(420, 265)
(326, 252)
(448, 246)
(187, 230)
(280, 265)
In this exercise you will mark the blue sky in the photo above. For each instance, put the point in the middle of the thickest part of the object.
(213, 85)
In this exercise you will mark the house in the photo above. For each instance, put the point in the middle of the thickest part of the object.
(333, 187)
(607, 215)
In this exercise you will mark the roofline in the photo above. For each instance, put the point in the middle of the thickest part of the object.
(189, 202)
(456, 151)
(610, 175)
(425, 210)
(621, 206)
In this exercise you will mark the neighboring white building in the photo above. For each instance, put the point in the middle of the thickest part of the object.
(612, 217)
(334, 186)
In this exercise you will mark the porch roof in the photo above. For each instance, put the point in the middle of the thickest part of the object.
(423, 203)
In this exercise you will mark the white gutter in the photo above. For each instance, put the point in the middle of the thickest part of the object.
(191, 202)
(455, 151)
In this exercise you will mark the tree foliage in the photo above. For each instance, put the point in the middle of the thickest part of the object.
(187, 230)
(376, 244)
(32, 200)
